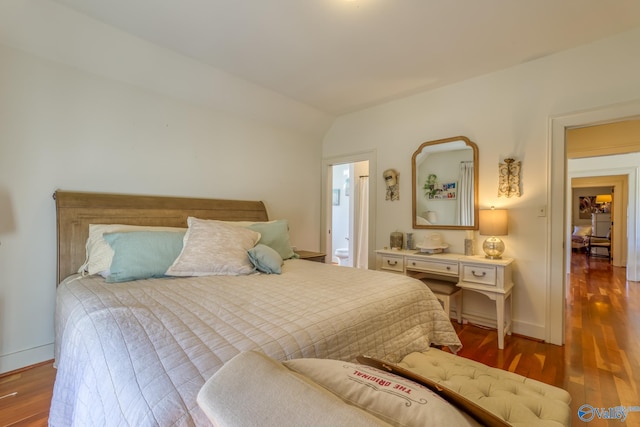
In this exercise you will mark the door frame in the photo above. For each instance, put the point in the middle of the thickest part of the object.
(327, 196)
(559, 184)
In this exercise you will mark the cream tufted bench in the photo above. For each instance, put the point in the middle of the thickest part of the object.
(516, 399)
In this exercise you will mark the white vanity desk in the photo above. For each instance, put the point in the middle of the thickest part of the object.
(490, 277)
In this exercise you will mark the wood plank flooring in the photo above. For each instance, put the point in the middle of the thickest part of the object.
(599, 364)
(25, 396)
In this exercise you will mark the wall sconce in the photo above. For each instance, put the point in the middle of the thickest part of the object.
(493, 222)
(391, 182)
(509, 178)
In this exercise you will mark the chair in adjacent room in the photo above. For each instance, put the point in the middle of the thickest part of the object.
(594, 242)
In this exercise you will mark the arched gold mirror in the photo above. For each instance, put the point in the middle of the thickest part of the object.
(445, 184)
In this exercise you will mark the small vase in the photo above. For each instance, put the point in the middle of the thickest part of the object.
(468, 247)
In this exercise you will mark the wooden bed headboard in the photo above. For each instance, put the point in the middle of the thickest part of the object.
(76, 210)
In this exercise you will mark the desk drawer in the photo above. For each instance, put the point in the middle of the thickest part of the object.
(485, 275)
(431, 266)
(392, 263)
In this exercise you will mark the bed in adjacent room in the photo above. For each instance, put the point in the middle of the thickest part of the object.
(134, 347)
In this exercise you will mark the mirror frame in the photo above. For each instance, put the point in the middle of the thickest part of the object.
(414, 194)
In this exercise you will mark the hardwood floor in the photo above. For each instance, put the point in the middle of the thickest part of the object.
(599, 364)
(25, 396)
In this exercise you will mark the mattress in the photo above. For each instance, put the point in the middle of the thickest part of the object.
(137, 353)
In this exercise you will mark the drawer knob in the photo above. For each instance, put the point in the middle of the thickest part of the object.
(448, 267)
(394, 262)
(484, 273)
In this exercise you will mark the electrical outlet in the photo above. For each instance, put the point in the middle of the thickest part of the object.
(542, 211)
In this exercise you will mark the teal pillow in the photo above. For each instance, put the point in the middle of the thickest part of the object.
(265, 259)
(275, 234)
(142, 254)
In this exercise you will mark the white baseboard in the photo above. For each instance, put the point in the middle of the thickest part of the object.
(517, 327)
(479, 320)
(529, 330)
(21, 359)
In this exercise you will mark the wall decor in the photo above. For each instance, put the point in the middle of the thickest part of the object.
(336, 197)
(509, 178)
(391, 181)
(587, 206)
(446, 191)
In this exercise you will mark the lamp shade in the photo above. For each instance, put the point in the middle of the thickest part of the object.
(604, 198)
(493, 222)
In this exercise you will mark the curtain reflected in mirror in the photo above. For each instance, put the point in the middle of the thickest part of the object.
(465, 202)
(444, 175)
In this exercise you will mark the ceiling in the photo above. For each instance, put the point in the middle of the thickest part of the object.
(340, 56)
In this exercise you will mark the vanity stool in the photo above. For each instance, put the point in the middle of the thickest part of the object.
(444, 291)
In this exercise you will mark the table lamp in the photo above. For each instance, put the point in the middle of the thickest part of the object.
(603, 200)
(493, 222)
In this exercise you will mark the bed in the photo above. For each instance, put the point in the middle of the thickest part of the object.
(137, 352)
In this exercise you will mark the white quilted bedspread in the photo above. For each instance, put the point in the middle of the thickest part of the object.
(137, 353)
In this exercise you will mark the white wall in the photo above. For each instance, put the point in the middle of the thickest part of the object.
(53, 31)
(66, 128)
(507, 114)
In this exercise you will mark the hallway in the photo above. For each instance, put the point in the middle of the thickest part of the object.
(603, 336)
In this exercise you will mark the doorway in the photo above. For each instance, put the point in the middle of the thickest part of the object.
(349, 214)
(602, 183)
(559, 218)
(349, 210)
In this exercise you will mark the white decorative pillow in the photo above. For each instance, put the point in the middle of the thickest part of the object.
(99, 252)
(392, 398)
(214, 248)
(581, 230)
(253, 389)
